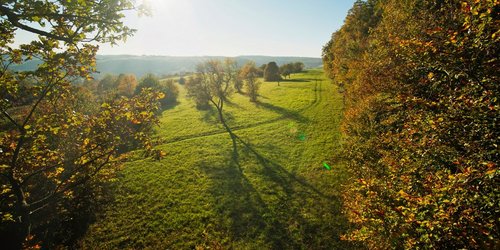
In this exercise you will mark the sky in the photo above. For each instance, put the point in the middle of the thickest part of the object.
(232, 28)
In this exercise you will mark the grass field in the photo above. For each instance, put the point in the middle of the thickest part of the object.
(270, 192)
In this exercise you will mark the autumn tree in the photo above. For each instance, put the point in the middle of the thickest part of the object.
(249, 74)
(213, 84)
(414, 70)
(54, 152)
(126, 84)
(272, 72)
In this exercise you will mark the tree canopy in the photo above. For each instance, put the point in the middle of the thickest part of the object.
(249, 73)
(213, 84)
(272, 72)
(421, 83)
(55, 151)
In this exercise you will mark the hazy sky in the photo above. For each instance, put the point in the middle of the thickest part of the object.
(233, 27)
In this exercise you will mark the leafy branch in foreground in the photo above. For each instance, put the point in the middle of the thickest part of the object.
(52, 148)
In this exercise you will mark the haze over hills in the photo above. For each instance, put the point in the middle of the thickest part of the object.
(164, 65)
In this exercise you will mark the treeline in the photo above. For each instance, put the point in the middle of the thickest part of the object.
(420, 80)
(273, 72)
(126, 85)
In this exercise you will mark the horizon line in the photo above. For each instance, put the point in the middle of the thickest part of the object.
(205, 55)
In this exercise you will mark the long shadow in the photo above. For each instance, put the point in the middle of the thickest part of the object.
(233, 104)
(244, 215)
(278, 221)
(295, 80)
(272, 221)
(210, 115)
(277, 173)
(283, 111)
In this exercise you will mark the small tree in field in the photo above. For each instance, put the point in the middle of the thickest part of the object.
(195, 91)
(213, 84)
(297, 67)
(272, 73)
(286, 70)
(249, 73)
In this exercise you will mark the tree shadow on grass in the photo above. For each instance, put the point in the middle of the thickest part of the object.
(296, 80)
(283, 111)
(264, 207)
(233, 104)
(169, 106)
(243, 214)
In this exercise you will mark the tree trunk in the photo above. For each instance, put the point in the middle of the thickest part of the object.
(22, 209)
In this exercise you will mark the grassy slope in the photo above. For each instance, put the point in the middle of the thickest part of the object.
(274, 195)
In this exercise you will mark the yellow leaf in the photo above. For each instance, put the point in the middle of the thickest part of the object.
(491, 171)
(86, 141)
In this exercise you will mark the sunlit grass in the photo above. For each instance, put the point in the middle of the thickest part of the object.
(274, 195)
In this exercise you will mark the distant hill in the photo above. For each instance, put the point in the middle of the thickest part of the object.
(164, 65)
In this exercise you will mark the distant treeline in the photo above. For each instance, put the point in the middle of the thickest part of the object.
(167, 65)
(421, 85)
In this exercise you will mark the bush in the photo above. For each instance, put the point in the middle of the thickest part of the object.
(168, 88)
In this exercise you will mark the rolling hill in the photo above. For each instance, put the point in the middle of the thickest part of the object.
(165, 65)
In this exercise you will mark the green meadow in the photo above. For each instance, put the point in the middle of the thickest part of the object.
(267, 190)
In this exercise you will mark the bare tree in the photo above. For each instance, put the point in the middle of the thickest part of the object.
(213, 84)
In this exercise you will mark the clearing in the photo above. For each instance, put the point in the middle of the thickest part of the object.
(270, 192)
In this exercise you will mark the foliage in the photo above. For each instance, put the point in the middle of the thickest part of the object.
(167, 88)
(126, 84)
(212, 84)
(421, 133)
(249, 73)
(238, 83)
(272, 72)
(55, 150)
(295, 67)
(195, 90)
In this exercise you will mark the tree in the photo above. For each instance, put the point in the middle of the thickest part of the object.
(272, 72)
(108, 85)
(126, 85)
(297, 67)
(286, 70)
(238, 83)
(53, 152)
(195, 89)
(171, 91)
(412, 71)
(168, 88)
(212, 83)
(249, 73)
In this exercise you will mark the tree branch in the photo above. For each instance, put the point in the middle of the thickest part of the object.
(14, 20)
